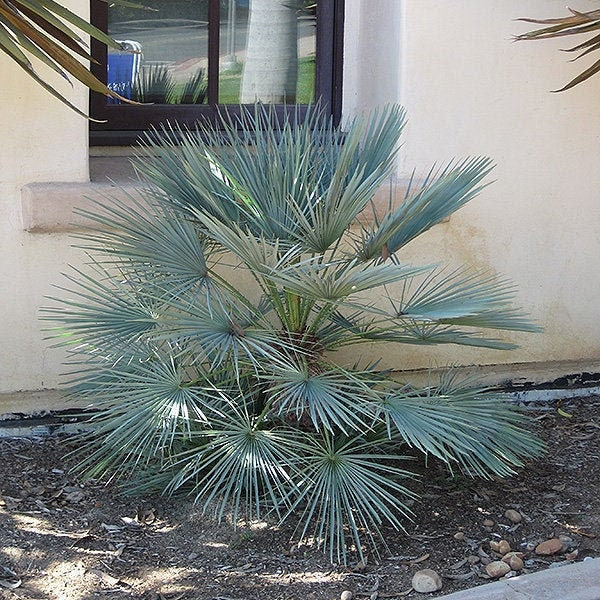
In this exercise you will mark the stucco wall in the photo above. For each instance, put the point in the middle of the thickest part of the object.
(468, 90)
(41, 140)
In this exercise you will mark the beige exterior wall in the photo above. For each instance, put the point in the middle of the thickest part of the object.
(40, 140)
(468, 90)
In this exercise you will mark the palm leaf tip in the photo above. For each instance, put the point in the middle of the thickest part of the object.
(576, 24)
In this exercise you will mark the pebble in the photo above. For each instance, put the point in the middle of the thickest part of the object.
(514, 516)
(459, 535)
(472, 559)
(501, 547)
(516, 563)
(497, 569)
(426, 580)
(549, 547)
(347, 595)
(488, 523)
(565, 538)
(506, 558)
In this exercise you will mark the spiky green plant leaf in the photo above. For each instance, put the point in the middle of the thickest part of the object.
(478, 432)
(238, 465)
(353, 482)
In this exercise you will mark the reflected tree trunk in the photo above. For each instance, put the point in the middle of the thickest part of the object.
(271, 66)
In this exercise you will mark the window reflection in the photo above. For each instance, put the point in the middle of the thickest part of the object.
(266, 51)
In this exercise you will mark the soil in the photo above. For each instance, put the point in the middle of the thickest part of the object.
(67, 539)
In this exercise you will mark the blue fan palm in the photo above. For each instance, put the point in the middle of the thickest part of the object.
(233, 391)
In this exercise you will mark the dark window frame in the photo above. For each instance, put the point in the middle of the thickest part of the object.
(124, 124)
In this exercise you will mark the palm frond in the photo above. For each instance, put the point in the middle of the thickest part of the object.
(330, 397)
(339, 280)
(346, 330)
(49, 31)
(239, 466)
(304, 183)
(479, 433)
(230, 392)
(442, 193)
(350, 488)
(224, 332)
(465, 298)
(143, 407)
(180, 173)
(257, 252)
(575, 24)
(101, 311)
(165, 243)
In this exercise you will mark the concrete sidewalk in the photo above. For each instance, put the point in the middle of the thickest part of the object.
(579, 581)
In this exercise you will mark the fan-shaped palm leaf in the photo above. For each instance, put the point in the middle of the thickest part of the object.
(163, 242)
(334, 282)
(143, 407)
(102, 311)
(349, 482)
(463, 297)
(332, 397)
(480, 433)
(239, 465)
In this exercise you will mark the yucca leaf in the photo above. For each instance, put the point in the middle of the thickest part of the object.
(43, 28)
(54, 27)
(48, 8)
(589, 72)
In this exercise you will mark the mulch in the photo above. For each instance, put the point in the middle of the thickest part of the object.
(65, 538)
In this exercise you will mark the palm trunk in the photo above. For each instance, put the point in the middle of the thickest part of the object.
(271, 67)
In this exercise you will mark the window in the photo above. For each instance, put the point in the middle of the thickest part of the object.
(191, 56)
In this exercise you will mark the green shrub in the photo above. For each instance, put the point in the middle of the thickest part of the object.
(207, 384)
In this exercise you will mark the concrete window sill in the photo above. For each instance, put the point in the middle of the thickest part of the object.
(49, 207)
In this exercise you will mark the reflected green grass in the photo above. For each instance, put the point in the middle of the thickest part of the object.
(230, 82)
